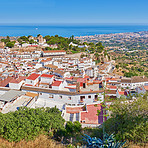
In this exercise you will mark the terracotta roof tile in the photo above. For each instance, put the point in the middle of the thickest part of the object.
(6, 81)
(33, 76)
(146, 88)
(73, 110)
(57, 83)
(121, 92)
(47, 75)
(90, 116)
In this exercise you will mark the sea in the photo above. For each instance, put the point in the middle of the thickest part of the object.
(67, 30)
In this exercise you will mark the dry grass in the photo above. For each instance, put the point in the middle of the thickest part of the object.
(41, 142)
(136, 146)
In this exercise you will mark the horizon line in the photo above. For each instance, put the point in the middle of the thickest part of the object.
(1, 24)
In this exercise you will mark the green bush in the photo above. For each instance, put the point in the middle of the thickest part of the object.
(28, 123)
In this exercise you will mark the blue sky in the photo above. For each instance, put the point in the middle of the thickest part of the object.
(74, 11)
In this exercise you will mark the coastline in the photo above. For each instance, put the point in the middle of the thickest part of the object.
(68, 30)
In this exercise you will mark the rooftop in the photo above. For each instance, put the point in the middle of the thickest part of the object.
(47, 75)
(10, 95)
(94, 87)
(136, 79)
(33, 76)
(57, 83)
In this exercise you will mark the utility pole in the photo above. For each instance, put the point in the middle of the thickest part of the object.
(104, 107)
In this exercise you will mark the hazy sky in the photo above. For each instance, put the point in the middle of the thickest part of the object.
(74, 11)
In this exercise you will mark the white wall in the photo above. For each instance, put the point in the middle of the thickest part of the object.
(133, 85)
(72, 100)
(57, 87)
(32, 82)
(38, 65)
(46, 80)
(16, 85)
(125, 85)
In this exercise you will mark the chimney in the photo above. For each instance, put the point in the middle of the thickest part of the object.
(78, 87)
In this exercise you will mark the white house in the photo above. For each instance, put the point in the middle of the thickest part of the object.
(38, 65)
(89, 72)
(134, 82)
(35, 55)
(46, 78)
(56, 96)
(85, 114)
(17, 83)
(72, 44)
(54, 53)
(92, 72)
(24, 56)
(25, 45)
(32, 80)
(57, 85)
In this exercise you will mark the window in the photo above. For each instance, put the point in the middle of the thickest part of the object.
(77, 116)
(81, 98)
(89, 97)
(71, 117)
(96, 97)
(60, 97)
(69, 98)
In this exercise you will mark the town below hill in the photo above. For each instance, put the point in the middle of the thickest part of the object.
(129, 50)
(122, 41)
(43, 81)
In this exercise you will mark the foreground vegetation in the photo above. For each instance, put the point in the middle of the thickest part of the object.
(128, 121)
(38, 126)
(42, 141)
(29, 123)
